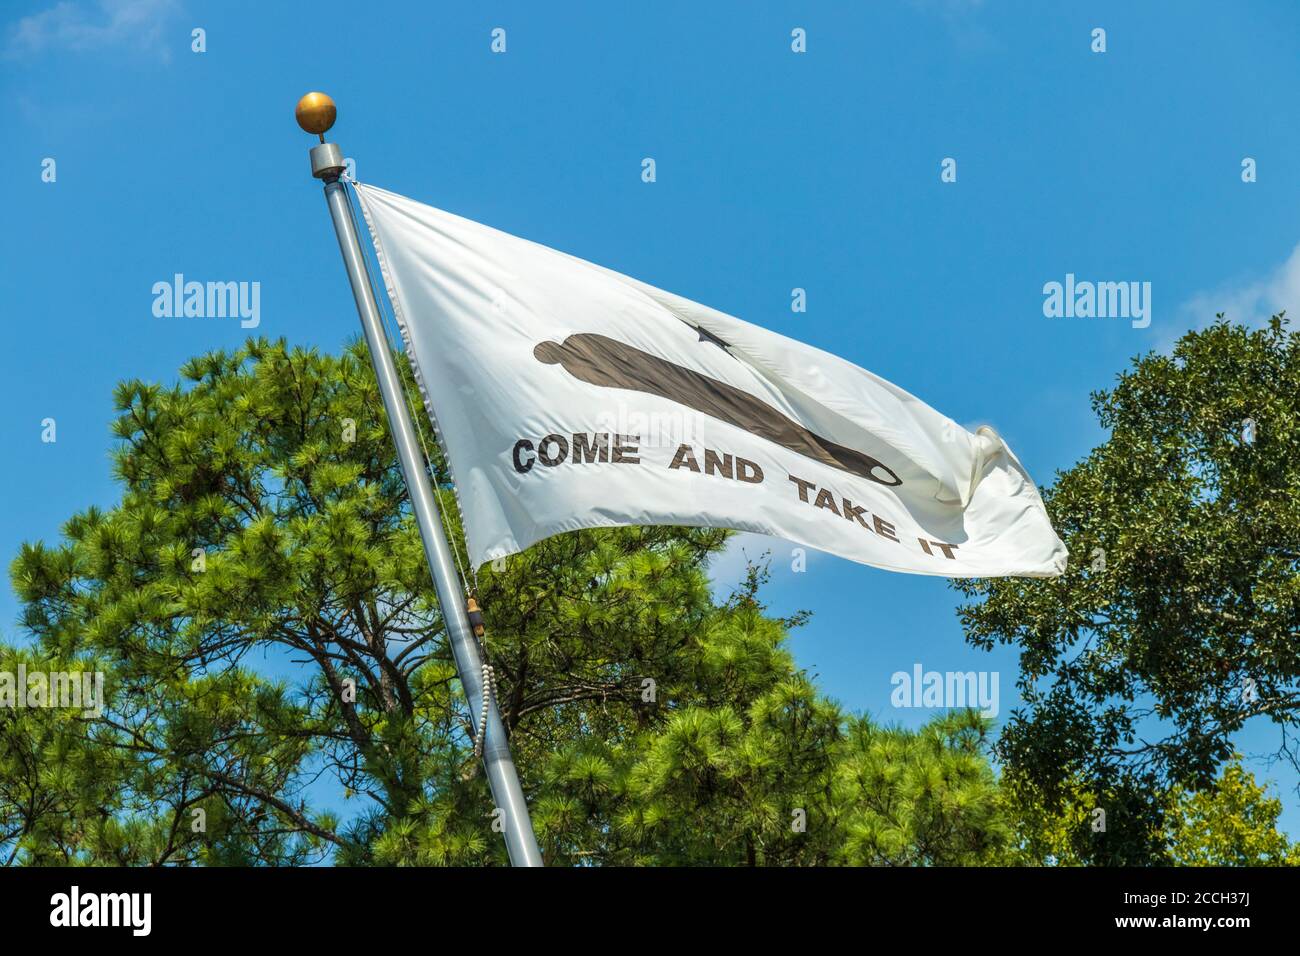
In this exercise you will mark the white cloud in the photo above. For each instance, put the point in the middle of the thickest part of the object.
(1252, 302)
(82, 25)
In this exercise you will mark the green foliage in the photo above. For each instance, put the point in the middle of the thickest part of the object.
(1233, 822)
(263, 562)
(925, 798)
(1176, 621)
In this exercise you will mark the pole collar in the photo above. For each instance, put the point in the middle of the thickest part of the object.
(327, 162)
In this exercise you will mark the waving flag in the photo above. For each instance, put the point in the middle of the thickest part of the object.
(569, 396)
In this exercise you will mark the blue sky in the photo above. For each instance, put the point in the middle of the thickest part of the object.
(775, 170)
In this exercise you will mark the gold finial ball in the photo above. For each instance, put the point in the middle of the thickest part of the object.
(315, 113)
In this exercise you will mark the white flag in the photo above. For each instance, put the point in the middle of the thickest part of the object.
(569, 396)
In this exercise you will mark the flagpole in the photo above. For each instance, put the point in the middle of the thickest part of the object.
(316, 114)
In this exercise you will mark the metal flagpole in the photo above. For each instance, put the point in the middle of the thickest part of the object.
(316, 114)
